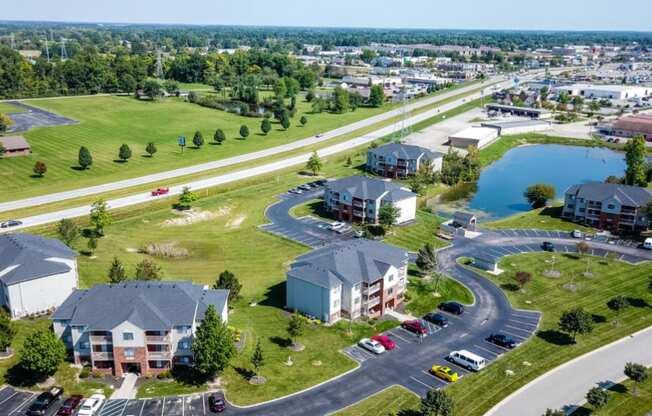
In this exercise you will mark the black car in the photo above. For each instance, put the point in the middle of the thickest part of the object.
(437, 319)
(216, 403)
(548, 246)
(502, 340)
(452, 307)
(44, 401)
(10, 223)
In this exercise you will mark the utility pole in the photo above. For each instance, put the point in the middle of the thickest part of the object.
(64, 53)
(13, 42)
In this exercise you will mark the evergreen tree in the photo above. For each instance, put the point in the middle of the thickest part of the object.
(85, 160)
(213, 345)
(151, 149)
(40, 168)
(125, 153)
(266, 126)
(437, 403)
(42, 353)
(376, 96)
(295, 327)
(227, 280)
(303, 120)
(219, 136)
(635, 154)
(257, 358)
(148, 270)
(117, 272)
(92, 244)
(244, 132)
(186, 198)
(198, 139)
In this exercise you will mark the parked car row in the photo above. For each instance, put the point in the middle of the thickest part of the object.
(307, 187)
(74, 404)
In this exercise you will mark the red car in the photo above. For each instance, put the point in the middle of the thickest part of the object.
(69, 406)
(160, 191)
(415, 326)
(216, 403)
(385, 341)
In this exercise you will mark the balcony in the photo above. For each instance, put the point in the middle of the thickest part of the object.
(101, 339)
(102, 355)
(157, 339)
(373, 302)
(372, 289)
(358, 204)
(159, 355)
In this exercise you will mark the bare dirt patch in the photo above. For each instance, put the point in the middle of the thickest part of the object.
(194, 216)
(236, 222)
(169, 250)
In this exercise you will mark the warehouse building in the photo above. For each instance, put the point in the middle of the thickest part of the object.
(612, 92)
(632, 126)
(536, 113)
(479, 137)
(518, 126)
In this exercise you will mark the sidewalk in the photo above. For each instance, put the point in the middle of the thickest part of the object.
(127, 389)
(565, 386)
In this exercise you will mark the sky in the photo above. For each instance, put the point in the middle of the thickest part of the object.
(434, 14)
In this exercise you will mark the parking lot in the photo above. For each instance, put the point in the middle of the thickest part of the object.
(566, 235)
(14, 402)
(34, 117)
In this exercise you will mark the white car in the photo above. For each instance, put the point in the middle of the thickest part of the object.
(577, 234)
(371, 345)
(337, 225)
(91, 405)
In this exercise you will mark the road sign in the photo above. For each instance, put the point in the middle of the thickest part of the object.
(182, 142)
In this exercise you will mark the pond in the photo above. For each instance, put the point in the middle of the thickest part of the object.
(501, 185)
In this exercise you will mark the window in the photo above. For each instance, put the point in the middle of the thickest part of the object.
(390, 291)
(356, 301)
(184, 345)
(184, 360)
(129, 353)
(336, 304)
(611, 206)
(85, 345)
(128, 336)
(390, 278)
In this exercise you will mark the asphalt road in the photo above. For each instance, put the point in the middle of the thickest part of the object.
(216, 180)
(565, 387)
(161, 176)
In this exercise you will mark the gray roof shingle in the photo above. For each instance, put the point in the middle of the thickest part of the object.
(148, 305)
(27, 255)
(404, 151)
(633, 196)
(370, 188)
(350, 262)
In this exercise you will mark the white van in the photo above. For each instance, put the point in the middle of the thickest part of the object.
(468, 360)
(647, 244)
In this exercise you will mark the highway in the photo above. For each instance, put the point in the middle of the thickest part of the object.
(190, 170)
(230, 177)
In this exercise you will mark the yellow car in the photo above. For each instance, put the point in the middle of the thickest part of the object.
(444, 373)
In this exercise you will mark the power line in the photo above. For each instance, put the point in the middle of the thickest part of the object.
(47, 49)
(64, 53)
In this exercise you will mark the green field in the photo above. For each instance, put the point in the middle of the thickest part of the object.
(421, 293)
(548, 218)
(625, 399)
(477, 393)
(396, 400)
(10, 108)
(414, 236)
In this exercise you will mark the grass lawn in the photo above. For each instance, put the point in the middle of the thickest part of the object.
(477, 393)
(396, 400)
(314, 207)
(548, 218)
(623, 401)
(414, 236)
(420, 293)
(10, 108)
(106, 122)
(160, 388)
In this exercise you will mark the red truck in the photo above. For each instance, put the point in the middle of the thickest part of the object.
(160, 191)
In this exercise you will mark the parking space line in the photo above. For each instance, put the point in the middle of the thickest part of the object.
(399, 337)
(497, 354)
(513, 335)
(22, 406)
(518, 329)
(452, 364)
(421, 382)
(522, 322)
(497, 346)
(163, 407)
(428, 373)
(203, 402)
(15, 393)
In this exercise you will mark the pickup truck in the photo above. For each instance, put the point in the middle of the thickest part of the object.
(44, 401)
(161, 191)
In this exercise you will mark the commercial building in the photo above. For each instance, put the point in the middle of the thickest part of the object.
(479, 137)
(396, 160)
(518, 126)
(36, 274)
(349, 279)
(613, 92)
(138, 327)
(15, 146)
(359, 199)
(535, 113)
(607, 206)
(632, 126)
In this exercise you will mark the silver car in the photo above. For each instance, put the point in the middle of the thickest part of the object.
(371, 345)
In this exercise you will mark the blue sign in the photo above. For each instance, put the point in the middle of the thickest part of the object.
(182, 141)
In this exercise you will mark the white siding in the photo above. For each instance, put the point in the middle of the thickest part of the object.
(128, 327)
(408, 208)
(42, 294)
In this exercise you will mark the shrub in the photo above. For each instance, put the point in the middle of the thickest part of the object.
(164, 375)
(460, 191)
(85, 372)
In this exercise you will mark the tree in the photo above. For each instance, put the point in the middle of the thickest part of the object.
(7, 331)
(522, 278)
(244, 132)
(583, 249)
(100, 217)
(68, 231)
(539, 194)
(186, 198)
(314, 164)
(213, 345)
(198, 139)
(551, 412)
(152, 89)
(266, 126)
(257, 358)
(295, 327)
(340, 100)
(303, 120)
(388, 215)
(437, 403)
(151, 149)
(576, 321)
(92, 244)
(148, 270)
(285, 121)
(427, 259)
(117, 272)
(637, 373)
(5, 122)
(171, 87)
(125, 153)
(3, 150)
(40, 168)
(228, 281)
(376, 96)
(42, 353)
(618, 304)
(597, 397)
(219, 136)
(84, 159)
(635, 155)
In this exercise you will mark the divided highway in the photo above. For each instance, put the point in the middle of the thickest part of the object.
(161, 176)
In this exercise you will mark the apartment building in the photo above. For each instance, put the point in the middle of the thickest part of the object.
(396, 160)
(138, 327)
(607, 206)
(359, 199)
(349, 279)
